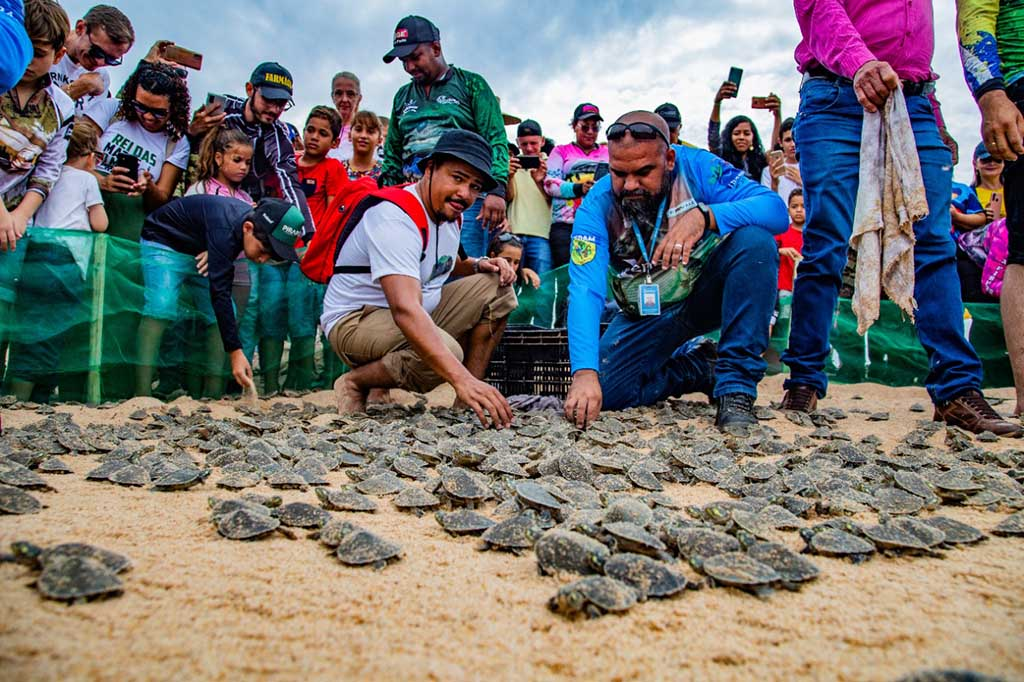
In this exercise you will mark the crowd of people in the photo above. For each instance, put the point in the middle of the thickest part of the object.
(396, 240)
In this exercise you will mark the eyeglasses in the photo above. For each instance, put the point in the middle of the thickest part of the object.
(352, 94)
(141, 109)
(97, 53)
(639, 131)
(282, 104)
(100, 156)
(590, 127)
(508, 238)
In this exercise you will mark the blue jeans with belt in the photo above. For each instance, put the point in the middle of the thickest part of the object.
(647, 359)
(827, 133)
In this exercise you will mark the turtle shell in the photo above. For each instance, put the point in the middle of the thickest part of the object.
(363, 548)
(112, 560)
(77, 577)
(286, 479)
(593, 596)
(459, 485)
(629, 537)
(239, 480)
(181, 479)
(650, 578)
(737, 569)
(574, 467)
(957, 533)
(416, 498)
(17, 501)
(702, 543)
(930, 535)
(22, 477)
(791, 567)
(1012, 525)
(133, 475)
(246, 524)
(565, 550)
(630, 510)
(463, 522)
(896, 501)
(517, 533)
(833, 542)
(537, 497)
(302, 515)
(892, 537)
(344, 500)
(54, 465)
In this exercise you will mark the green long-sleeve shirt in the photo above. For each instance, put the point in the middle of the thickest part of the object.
(459, 99)
(991, 36)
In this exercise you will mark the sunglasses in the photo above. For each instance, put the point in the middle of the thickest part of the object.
(508, 238)
(142, 109)
(97, 53)
(590, 127)
(639, 131)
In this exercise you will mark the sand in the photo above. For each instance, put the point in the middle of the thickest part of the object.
(197, 606)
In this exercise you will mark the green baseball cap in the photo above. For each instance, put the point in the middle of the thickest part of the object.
(283, 222)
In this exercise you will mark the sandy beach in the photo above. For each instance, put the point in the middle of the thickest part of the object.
(198, 606)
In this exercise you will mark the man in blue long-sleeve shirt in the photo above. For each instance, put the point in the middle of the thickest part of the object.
(192, 243)
(642, 359)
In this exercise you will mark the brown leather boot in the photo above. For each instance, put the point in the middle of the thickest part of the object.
(971, 412)
(800, 398)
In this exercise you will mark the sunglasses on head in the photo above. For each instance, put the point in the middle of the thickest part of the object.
(141, 109)
(97, 53)
(639, 131)
(508, 238)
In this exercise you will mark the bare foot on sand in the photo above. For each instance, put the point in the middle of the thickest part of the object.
(350, 397)
(379, 395)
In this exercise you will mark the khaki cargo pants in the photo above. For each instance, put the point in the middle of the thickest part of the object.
(370, 334)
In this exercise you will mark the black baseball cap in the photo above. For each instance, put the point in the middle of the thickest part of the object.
(411, 31)
(982, 152)
(528, 127)
(585, 111)
(670, 112)
(467, 146)
(283, 223)
(273, 80)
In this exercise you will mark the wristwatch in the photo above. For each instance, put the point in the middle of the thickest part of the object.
(705, 211)
(477, 262)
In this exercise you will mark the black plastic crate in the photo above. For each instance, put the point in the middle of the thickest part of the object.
(531, 361)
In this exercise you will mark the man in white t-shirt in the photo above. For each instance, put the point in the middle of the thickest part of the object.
(388, 311)
(783, 175)
(101, 38)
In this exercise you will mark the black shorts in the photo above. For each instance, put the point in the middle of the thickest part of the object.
(1013, 190)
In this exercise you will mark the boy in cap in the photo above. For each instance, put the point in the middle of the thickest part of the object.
(388, 312)
(192, 242)
(529, 210)
(670, 112)
(439, 98)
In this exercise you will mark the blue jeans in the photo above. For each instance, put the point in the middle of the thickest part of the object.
(827, 132)
(165, 273)
(647, 359)
(475, 237)
(536, 253)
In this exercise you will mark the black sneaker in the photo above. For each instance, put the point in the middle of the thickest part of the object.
(735, 412)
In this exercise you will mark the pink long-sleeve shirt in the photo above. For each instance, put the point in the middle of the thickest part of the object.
(841, 35)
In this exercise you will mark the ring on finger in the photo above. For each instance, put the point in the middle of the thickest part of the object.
(678, 246)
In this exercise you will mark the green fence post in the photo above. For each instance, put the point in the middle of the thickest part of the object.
(99, 274)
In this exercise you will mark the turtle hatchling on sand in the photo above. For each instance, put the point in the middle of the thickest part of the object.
(792, 568)
(629, 509)
(832, 542)
(891, 538)
(593, 596)
(702, 543)
(286, 479)
(181, 479)
(535, 496)
(133, 475)
(896, 501)
(17, 501)
(240, 480)
(54, 465)
(567, 551)
(1012, 525)
(302, 515)
(246, 524)
(344, 500)
(514, 535)
(737, 569)
(650, 578)
(629, 537)
(416, 500)
(363, 548)
(78, 578)
(334, 531)
(463, 522)
(35, 556)
(22, 477)
(459, 488)
(957, 532)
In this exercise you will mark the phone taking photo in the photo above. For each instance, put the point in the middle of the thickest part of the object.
(219, 100)
(735, 76)
(758, 102)
(129, 163)
(529, 162)
(179, 55)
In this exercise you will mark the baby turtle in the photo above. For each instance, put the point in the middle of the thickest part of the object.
(240, 480)
(792, 568)
(17, 501)
(896, 501)
(181, 479)
(514, 535)
(702, 543)
(416, 500)
(78, 578)
(832, 542)
(593, 596)
(891, 538)
(363, 548)
(736, 569)
(567, 551)
(463, 522)
(1012, 525)
(650, 578)
(35, 556)
(302, 515)
(344, 500)
(132, 475)
(957, 533)
(641, 475)
(931, 536)
(630, 510)
(461, 489)
(535, 496)
(629, 537)
(386, 483)
(246, 524)
(914, 483)
(54, 465)
(286, 479)
(22, 477)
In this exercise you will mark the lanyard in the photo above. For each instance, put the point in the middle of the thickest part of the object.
(654, 234)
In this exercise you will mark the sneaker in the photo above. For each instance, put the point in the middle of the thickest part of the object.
(971, 412)
(735, 412)
(800, 398)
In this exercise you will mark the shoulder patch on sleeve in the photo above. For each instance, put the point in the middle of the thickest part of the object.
(583, 249)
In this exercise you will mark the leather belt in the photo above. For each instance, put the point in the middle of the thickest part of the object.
(910, 88)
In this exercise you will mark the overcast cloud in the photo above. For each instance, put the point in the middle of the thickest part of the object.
(541, 58)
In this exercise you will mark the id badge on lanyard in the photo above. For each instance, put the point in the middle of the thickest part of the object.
(648, 296)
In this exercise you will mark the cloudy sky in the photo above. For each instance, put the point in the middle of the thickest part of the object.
(541, 58)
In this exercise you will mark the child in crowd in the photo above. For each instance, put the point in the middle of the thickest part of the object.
(221, 227)
(367, 135)
(791, 242)
(508, 246)
(57, 266)
(289, 303)
(35, 117)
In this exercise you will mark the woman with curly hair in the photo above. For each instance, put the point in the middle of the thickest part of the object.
(148, 122)
(740, 144)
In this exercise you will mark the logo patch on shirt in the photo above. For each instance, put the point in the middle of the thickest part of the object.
(445, 99)
(583, 250)
(409, 108)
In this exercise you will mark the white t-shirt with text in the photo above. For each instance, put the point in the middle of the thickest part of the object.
(130, 137)
(66, 71)
(389, 242)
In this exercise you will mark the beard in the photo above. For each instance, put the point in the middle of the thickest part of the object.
(641, 206)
